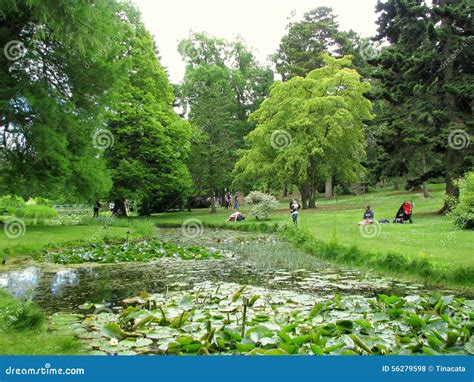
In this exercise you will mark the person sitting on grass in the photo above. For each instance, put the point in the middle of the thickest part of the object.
(368, 217)
(404, 212)
(236, 217)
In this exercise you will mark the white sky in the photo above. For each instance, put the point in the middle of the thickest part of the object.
(261, 23)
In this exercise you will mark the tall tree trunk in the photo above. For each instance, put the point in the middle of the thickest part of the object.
(328, 188)
(213, 201)
(312, 189)
(304, 192)
(396, 183)
(451, 189)
(424, 185)
(120, 210)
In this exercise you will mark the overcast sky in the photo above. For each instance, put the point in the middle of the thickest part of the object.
(261, 23)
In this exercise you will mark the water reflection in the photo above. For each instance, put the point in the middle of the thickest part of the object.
(66, 289)
(21, 284)
(63, 279)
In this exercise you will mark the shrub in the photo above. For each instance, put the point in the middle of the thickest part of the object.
(463, 212)
(11, 201)
(35, 208)
(33, 212)
(261, 204)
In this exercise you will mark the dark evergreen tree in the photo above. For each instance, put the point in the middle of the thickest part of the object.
(426, 74)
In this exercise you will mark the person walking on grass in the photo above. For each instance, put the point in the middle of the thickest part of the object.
(96, 209)
(236, 201)
(227, 200)
(294, 211)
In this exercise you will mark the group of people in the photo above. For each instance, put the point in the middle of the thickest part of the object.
(98, 206)
(404, 214)
(228, 200)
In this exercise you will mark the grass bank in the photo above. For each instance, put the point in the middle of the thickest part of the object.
(24, 330)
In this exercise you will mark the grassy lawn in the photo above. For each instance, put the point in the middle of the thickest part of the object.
(430, 235)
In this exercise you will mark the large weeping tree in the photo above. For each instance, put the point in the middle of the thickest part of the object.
(309, 127)
(58, 65)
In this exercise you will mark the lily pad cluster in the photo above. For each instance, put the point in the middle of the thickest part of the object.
(233, 319)
(142, 251)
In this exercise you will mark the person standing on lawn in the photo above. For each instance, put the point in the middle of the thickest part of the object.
(96, 209)
(294, 211)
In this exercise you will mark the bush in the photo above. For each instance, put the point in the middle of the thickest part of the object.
(35, 208)
(261, 204)
(11, 201)
(33, 212)
(463, 212)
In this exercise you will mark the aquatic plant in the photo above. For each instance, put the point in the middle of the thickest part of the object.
(233, 319)
(145, 250)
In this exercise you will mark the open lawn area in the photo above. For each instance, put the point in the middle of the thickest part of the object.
(431, 235)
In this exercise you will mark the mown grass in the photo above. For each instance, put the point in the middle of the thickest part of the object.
(24, 331)
(431, 239)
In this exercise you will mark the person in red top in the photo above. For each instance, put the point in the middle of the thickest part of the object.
(407, 211)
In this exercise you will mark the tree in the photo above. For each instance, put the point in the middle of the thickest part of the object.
(427, 80)
(301, 49)
(309, 127)
(223, 84)
(56, 77)
(151, 142)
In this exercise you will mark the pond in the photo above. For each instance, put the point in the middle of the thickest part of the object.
(249, 259)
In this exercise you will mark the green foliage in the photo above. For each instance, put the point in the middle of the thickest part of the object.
(463, 212)
(301, 49)
(129, 251)
(223, 83)
(151, 142)
(309, 128)
(261, 204)
(52, 98)
(209, 320)
(8, 202)
(17, 315)
(33, 209)
(426, 86)
(33, 212)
